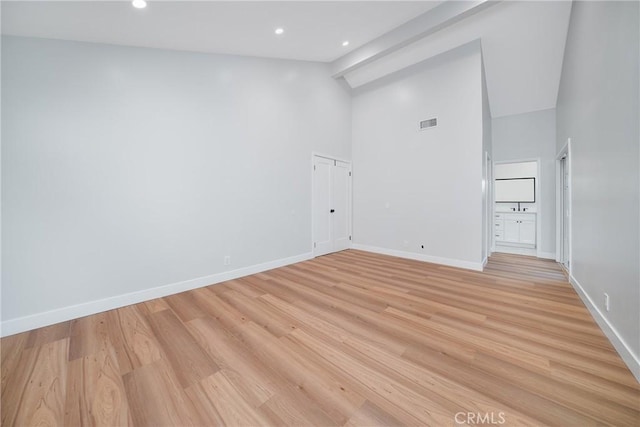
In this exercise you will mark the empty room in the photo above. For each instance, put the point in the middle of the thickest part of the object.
(320, 213)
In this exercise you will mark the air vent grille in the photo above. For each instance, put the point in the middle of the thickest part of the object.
(429, 123)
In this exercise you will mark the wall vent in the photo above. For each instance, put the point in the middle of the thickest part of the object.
(426, 124)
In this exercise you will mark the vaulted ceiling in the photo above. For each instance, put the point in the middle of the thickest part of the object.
(313, 30)
(522, 46)
(522, 42)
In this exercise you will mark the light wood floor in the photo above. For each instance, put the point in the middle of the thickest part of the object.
(346, 339)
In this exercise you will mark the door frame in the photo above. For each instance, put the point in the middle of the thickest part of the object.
(315, 154)
(490, 208)
(565, 152)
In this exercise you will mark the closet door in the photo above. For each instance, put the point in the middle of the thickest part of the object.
(331, 205)
(341, 206)
(322, 217)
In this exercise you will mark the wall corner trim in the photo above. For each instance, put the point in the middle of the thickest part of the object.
(38, 320)
(632, 360)
(469, 265)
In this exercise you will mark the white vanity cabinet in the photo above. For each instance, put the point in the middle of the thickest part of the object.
(515, 227)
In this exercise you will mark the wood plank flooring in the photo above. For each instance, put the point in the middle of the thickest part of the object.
(348, 339)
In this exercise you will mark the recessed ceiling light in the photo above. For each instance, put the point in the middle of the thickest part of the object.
(279, 31)
(345, 43)
(139, 4)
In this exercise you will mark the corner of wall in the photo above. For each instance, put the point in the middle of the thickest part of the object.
(468, 265)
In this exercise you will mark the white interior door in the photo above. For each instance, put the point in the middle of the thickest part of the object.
(331, 205)
(341, 204)
(322, 178)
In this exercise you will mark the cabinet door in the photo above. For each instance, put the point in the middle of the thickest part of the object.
(528, 232)
(511, 231)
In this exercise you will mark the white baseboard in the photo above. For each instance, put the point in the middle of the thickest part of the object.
(632, 360)
(38, 320)
(469, 265)
(516, 250)
(547, 255)
(525, 251)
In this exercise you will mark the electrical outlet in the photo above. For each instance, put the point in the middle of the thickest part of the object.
(227, 260)
(606, 301)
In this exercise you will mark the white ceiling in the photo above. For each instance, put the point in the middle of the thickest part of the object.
(314, 30)
(522, 41)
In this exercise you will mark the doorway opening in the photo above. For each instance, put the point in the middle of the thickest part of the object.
(516, 224)
(488, 186)
(563, 211)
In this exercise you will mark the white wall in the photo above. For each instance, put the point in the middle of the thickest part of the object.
(532, 136)
(412, 187)
(598, 109)
(0, 181)
(125, 169)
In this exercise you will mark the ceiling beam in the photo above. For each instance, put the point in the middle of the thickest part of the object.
(428, 23)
